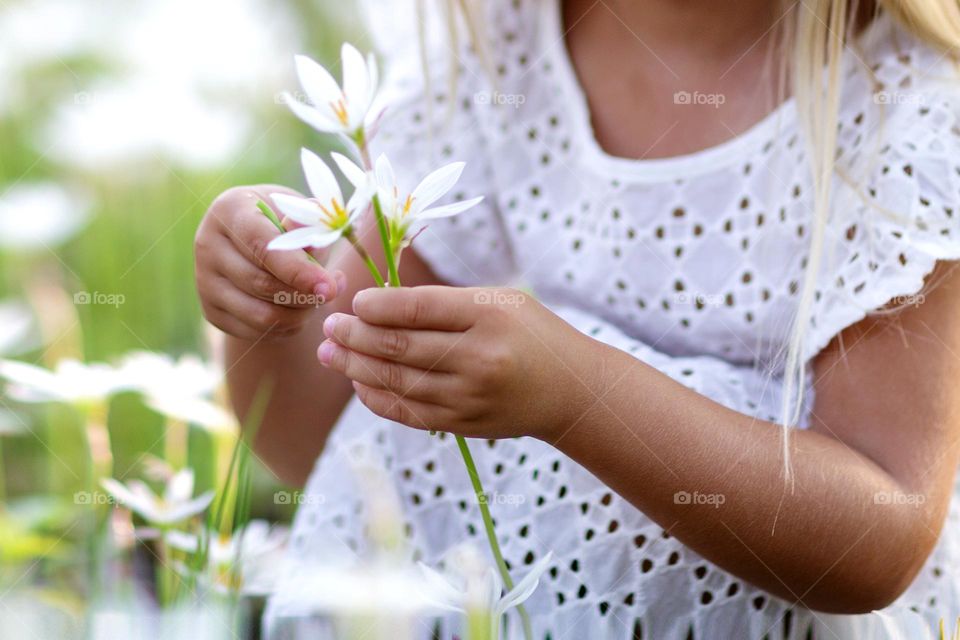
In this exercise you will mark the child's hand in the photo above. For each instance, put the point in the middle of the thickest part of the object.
(246, 290)
(491, 363)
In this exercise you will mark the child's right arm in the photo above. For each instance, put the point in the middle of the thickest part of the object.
(265, 302)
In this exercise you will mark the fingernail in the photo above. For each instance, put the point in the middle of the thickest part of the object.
(358, 299)
(329, 324)
(322, 291)
(341, 282)
(325, 353)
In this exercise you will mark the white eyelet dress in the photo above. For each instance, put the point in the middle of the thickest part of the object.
(693, 264)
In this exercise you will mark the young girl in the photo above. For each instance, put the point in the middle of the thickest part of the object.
(731, 216)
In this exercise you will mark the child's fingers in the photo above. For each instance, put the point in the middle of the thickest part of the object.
(262, 284)
(259, 316)
(253, 232)
(426, 386)
(419, 415)
(423, 349)
(431, 307)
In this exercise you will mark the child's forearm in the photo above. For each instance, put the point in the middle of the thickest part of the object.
(304, 400)
(713, 478)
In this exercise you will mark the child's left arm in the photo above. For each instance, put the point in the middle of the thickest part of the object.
(873, 473)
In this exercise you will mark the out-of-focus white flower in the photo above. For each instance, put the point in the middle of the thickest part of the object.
(113, 124)
(248, 560)
(472, 585)
(403, 210)
(340, 109)
(179, 388)
(176, 504)
(37, 215)
(326, 217)
(379, 589)
(16, 323)
(71, 381)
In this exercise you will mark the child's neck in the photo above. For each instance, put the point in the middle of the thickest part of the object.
(714, 27)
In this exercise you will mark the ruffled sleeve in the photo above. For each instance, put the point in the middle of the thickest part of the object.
(889, 232)
(421, 132)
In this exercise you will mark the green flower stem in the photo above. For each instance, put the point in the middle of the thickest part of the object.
(489, 527)
(461, 441)
(272, 217)
(371, 265)
(387, 244)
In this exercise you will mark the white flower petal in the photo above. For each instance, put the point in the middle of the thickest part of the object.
(384, 173)
(373, 74)
(32, 381)
(525, 588)
(135, 501)
(355, 84)
(435, 185)
(305, 237)
(448, 210)
(180, 486)
(317, 82)
(360, 200)
(439, 591)
(323, 184)
(185, 510)
(357, 176)
(317, 119)
(298, 209)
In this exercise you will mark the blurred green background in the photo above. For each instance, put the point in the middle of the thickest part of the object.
(119, 124)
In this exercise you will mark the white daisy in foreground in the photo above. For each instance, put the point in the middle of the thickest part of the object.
(327, 216)
(179, 389)
(39, 215)
(248, 561)
(337, 109)
(71, 381)
(473, 587)
(401, 211)
(176, 504)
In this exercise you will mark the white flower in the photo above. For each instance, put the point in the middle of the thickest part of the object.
(71, 381)
(378, 589)
(40, 215)
(177, 388)
(16, 322)
(325, 216)
(175, 505)
(337, 109)
(248, 560)
(402, 210)
(473, 587)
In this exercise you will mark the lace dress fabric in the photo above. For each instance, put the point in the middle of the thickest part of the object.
(693, 264)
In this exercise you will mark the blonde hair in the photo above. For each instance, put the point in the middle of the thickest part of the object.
(814, 38)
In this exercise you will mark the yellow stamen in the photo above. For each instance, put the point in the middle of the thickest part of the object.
(408, 203)
(340, 110)
(336, 216)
